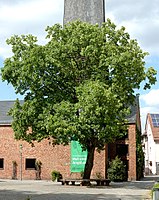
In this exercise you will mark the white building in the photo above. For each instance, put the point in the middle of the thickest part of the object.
(151, 144)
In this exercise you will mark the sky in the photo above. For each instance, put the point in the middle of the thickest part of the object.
(140, 18)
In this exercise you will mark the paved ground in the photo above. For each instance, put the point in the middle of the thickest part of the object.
(47, 190)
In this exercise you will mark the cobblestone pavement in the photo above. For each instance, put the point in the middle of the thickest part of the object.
(40, 190)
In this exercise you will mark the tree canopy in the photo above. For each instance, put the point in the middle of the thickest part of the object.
(78, 85)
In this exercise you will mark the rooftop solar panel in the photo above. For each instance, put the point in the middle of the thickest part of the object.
(155, 120)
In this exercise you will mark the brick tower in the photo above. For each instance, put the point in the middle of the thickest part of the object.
(92, 11)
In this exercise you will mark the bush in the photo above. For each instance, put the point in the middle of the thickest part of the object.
(38, 165)
(117, 170)
(55, 175)
(139, 156)
(156, 185)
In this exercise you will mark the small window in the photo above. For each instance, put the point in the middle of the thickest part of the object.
(30, 163)
(1, 163)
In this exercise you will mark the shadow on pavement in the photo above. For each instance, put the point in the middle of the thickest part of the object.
(145, 183)
(151, 178)
(13, 195)
(48, 191)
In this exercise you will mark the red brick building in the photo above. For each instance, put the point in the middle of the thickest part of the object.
(58, 157)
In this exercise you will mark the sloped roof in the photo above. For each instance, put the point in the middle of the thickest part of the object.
(132, 117)
(5, 106)
(155, 129)
(134, 111)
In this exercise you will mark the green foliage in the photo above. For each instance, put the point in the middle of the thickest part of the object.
(156, 185)
(84, 68)
(96, 107)
(139, 155)
(117, 170)
(55, 175)
(28, 198)
(78, 85)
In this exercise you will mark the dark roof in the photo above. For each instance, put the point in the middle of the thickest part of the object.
(134, 109)
(5, 106)
(132, 117)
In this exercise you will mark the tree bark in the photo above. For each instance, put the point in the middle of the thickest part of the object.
(89, 163)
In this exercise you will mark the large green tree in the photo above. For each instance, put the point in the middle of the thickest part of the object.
(78, 85)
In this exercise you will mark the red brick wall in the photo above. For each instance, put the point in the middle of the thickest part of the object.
(52, 158)
(132, 152)
(99, 164)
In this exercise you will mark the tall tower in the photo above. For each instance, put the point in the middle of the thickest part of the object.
(92, 11)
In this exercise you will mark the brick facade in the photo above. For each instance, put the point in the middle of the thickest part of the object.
(58, 157)
(132, 152)
(52, 157)
(55, 157)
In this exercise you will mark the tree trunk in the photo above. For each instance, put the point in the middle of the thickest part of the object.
(89, 163)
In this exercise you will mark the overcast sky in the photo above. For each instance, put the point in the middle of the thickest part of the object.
(141, 19)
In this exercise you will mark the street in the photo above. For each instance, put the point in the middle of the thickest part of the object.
(40, 190)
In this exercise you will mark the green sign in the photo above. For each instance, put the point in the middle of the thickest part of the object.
(78, 157)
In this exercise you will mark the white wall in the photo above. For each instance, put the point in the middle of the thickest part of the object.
(157, 152)
(151, 150)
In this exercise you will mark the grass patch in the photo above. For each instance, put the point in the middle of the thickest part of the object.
(156, 185)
